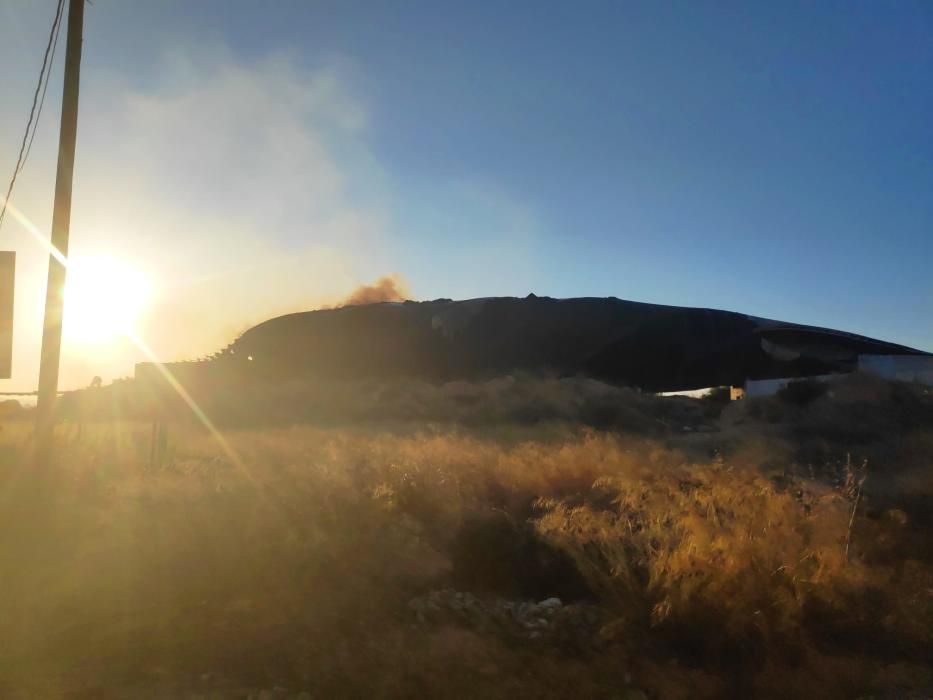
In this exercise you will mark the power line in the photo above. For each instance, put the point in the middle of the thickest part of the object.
(45, 87)
(36, 108)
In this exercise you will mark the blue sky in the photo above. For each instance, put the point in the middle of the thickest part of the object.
(772, 158)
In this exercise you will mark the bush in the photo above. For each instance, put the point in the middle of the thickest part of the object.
(713, 559)
(290, 557)
(803, 391)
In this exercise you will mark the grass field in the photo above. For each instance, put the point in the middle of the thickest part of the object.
(783, 550)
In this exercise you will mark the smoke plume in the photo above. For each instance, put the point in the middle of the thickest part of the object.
(386, 288)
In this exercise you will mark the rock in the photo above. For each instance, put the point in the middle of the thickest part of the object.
(526, 610)
(548, 619)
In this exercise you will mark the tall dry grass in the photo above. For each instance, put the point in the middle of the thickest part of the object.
(292, 565)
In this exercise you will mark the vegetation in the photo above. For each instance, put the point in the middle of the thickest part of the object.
(786, 553)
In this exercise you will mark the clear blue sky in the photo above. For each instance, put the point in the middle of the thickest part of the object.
(769, 157)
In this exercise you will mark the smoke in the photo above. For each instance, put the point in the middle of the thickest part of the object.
(386, 288)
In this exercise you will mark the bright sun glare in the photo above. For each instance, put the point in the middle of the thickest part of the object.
(103, 299)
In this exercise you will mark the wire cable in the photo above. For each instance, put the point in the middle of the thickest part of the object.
(45, 87)
(36, 108)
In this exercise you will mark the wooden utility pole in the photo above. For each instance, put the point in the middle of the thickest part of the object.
(61, 222)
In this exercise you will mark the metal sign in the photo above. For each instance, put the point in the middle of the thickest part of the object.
(7, 275)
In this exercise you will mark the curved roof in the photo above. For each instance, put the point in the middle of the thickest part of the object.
(656, 347)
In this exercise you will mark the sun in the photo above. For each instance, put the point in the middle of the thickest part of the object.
(104, 297)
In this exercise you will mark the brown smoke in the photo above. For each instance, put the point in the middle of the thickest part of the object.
(387, 288)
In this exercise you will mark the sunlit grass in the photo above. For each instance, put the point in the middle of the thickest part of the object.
(123, 576)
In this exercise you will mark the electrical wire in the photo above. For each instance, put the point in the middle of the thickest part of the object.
(45, 88)
(36, 109)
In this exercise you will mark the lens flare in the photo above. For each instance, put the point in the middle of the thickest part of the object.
(103, 299)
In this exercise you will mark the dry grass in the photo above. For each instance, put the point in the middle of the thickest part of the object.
(293, 566)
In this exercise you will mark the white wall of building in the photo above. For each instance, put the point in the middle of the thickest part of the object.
(907, 368)
(769, 387)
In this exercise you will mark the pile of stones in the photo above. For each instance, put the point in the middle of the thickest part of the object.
(547, 620)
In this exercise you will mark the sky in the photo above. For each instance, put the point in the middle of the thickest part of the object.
(256, 158)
